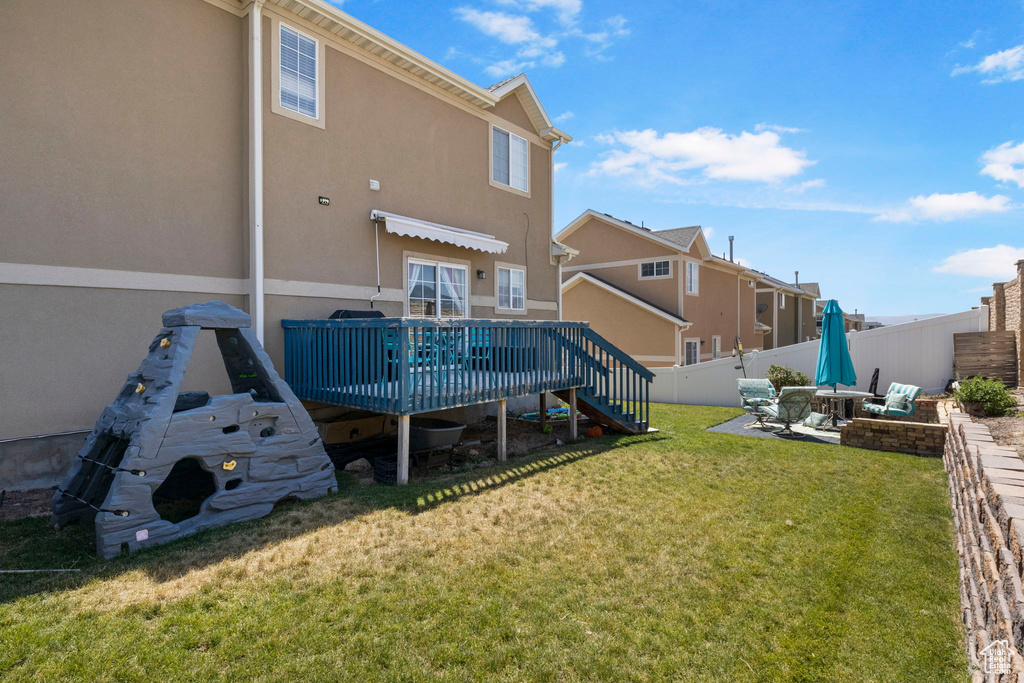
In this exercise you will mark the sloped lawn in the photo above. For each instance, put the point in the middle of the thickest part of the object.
(682, 555)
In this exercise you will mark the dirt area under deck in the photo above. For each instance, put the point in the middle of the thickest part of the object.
(523, 437)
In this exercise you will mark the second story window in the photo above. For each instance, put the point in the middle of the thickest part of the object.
(510, 160)
(298, 72)
(656, 269)
(511, 289)
(692, 277)
(782, 300)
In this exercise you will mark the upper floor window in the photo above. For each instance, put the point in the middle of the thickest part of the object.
(438, 290)
(298, 72)
(692, 277)
(782, 299)
(512, 289)
(716, 347)
(656, 269)
(510, 160)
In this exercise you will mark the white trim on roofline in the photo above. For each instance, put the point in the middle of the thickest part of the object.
(531, 103)
(615, 222)
(581, 277)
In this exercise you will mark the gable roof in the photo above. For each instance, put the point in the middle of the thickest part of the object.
(608, 219)
(349, 29)
(684, 237)
(811, 288)
(623, 294)
(520, 85)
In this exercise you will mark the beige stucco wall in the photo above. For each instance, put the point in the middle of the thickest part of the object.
(432, 161)
(663, 292)
(599, 242)
(636, 331)
(124, 139)
(127, 149)
(713, 311)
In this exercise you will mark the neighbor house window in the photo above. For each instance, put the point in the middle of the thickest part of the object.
(510, 160)
(512, 289)
(298, 72)
(782, 300)
(692, 277)
(437, 290)
(716, 347)
(656, 269)
(692, 348)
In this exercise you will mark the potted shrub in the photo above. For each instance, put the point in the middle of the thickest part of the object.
(980, 396)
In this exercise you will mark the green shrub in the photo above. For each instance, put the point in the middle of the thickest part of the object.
(781, 376)
(997, 398)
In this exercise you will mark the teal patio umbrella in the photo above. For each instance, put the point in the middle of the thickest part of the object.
(834, 363)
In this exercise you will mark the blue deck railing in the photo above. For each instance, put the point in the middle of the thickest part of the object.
(412, 365)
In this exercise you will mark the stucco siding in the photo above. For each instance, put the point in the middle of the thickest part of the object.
(599, 242)
(124, 136)
(636, 331)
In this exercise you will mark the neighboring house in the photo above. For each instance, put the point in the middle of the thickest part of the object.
(659, 295)
(787, 310)
(146, 166)
(854, 322)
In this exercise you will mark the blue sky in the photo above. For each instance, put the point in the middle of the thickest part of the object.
(876, 147)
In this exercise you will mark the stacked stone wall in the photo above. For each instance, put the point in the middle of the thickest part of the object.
(916, 438)
(986, 485)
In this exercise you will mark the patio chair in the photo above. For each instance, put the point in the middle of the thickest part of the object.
(900, 401)
(793, 405)
(755, 394)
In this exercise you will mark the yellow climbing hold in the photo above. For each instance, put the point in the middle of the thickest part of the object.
(139, 388)
(165, 342)
(229, 465)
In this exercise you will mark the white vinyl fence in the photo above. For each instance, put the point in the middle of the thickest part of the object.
(919, 353)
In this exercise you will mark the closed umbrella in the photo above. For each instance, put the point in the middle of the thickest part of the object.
(834, 363)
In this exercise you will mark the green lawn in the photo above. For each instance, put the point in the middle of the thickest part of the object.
(681, 555)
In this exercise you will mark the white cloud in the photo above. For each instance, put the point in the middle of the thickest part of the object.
(997, 263)
(776, 128)
(507, 28)
(563, 117)
(537, 46)
(674, 157)
(560, 165)
(1005, 163)
(807, 185)
(1007, 65)
(708, 233)
(946, 207)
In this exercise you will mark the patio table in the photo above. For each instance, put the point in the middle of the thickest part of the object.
(837, 402)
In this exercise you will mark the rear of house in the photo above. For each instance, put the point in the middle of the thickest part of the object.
(147, 166)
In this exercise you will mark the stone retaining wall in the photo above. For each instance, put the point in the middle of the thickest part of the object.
(986, 485)
(916, 438)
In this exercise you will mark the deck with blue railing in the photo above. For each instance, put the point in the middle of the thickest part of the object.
(405, 366)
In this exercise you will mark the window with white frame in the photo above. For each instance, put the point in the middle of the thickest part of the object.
(298, 72)
(716, 347)
(510, 160)
(782, 299)
(692, 349)
(655, 269)
(512, 289)
(692, 277)
(438, 290)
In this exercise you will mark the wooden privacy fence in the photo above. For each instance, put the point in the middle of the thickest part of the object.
(988, 354)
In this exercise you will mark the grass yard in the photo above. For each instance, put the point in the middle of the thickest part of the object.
(681, 555)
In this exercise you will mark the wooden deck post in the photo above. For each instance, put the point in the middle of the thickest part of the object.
(403, 450)
(573, 428)
(502, 433)
(543, 410)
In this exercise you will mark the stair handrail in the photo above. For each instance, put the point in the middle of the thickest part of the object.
(618, 354)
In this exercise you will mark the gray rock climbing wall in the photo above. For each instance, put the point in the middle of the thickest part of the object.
(247, 450)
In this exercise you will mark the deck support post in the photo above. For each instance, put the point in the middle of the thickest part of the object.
(543, 410)
(573, 427)
(403, 451)
(502, 432)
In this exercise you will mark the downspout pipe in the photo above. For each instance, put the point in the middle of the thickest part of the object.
(256, 293)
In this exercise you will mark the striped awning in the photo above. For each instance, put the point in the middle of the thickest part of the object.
(414, 227)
